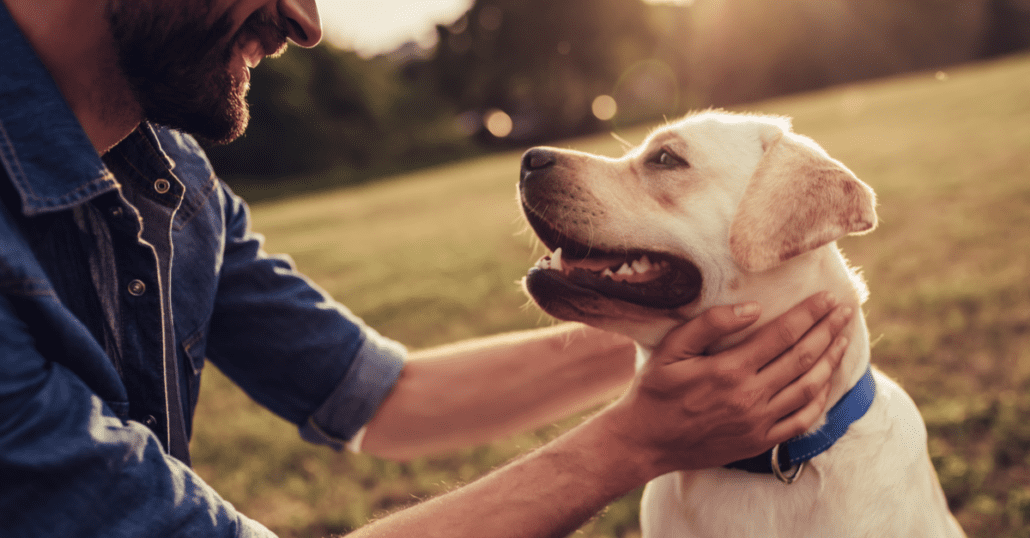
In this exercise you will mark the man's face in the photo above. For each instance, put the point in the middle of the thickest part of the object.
(187, 61)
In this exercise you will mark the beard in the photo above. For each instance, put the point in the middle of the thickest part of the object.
(179, 64)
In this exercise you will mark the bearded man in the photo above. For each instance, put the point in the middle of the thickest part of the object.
(125, 264)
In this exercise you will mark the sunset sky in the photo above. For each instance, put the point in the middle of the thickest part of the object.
(382, 25)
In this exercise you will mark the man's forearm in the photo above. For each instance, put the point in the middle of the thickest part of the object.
(549, 492)
(486, 389)
(673, 416)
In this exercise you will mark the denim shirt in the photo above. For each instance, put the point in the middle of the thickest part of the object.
(119, 277)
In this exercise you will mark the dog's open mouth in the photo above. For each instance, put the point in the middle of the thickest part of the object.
(641, 277)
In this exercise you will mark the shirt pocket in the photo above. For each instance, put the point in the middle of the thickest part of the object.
(194, 348)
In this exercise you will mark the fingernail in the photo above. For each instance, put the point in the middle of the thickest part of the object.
(842, 342)
(825, 300)
(746, 310)
(846, 312)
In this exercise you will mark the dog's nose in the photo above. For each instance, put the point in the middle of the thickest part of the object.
(537, 159)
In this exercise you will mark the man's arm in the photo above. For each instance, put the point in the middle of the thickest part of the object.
(491, 388)
(672, 417)
(495, 387)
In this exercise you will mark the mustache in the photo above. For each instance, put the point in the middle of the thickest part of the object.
(271, 30)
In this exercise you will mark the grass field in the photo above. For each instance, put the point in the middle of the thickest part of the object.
(434, 256)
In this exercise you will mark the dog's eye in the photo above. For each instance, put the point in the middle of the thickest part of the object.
(666, 159)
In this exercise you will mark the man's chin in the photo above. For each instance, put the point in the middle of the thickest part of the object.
(181, 69)
(222, 133)
(211, 132)
(215, 125)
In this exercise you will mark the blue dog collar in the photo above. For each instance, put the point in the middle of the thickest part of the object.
(851, 407)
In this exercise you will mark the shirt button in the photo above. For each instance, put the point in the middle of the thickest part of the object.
(150, 421)
(162, 185)
(137, 288)
(116, 212)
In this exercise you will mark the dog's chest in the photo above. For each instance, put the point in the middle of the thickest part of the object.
(876, 481)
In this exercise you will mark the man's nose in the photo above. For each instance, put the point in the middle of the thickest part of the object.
(302, 17)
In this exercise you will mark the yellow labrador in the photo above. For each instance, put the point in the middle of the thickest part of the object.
(719, 209)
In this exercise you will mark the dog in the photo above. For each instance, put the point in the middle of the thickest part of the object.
(721, 208)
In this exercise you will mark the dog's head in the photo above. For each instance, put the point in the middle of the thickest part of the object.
(641, 243)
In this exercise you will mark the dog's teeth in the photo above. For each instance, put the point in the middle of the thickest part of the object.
(556, 260)
(625, 270)
(608, 273)
(642, 265)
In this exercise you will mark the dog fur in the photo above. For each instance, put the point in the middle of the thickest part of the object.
(755, 209)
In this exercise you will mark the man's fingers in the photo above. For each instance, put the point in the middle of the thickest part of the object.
(801, 420)
(806, 388)
(813, 346)
(692, 338)
(783, 332)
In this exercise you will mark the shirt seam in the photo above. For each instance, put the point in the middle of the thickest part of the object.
(10, 156)
(191, 205)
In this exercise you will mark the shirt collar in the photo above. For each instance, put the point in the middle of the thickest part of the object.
(43, 149)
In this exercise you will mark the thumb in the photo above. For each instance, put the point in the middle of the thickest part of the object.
(693, 337)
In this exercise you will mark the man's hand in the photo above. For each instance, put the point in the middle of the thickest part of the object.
(689, 410)
(686, 410)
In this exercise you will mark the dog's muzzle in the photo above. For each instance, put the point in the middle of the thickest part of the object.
(583, 269)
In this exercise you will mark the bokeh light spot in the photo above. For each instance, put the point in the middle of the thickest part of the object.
(604, 107)
(498, 123)
(647, 89)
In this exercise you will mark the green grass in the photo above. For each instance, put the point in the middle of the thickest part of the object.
(434, 256)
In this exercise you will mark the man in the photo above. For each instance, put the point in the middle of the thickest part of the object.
(125, 263)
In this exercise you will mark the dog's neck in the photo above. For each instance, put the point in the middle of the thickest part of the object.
(778, 290)
(823, 269)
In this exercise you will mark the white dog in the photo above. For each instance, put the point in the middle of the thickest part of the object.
(720, 209)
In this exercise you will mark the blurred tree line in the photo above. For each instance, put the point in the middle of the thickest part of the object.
(537, 67)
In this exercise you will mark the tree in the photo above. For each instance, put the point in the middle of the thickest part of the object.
(310, 111)
(542, 62)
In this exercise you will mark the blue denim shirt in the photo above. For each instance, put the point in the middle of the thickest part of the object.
(119, 277)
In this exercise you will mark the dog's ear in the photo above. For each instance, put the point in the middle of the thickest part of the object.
(798, 199)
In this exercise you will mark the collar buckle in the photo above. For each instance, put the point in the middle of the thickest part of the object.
(774, 462)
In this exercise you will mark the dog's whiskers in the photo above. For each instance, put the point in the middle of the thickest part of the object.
(626, 144)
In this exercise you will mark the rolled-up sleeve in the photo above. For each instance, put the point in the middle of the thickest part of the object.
(290, 346)
(355, 400)
(69, 467)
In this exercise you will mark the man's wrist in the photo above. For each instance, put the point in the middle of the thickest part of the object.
(629, 461)
(549, 492)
